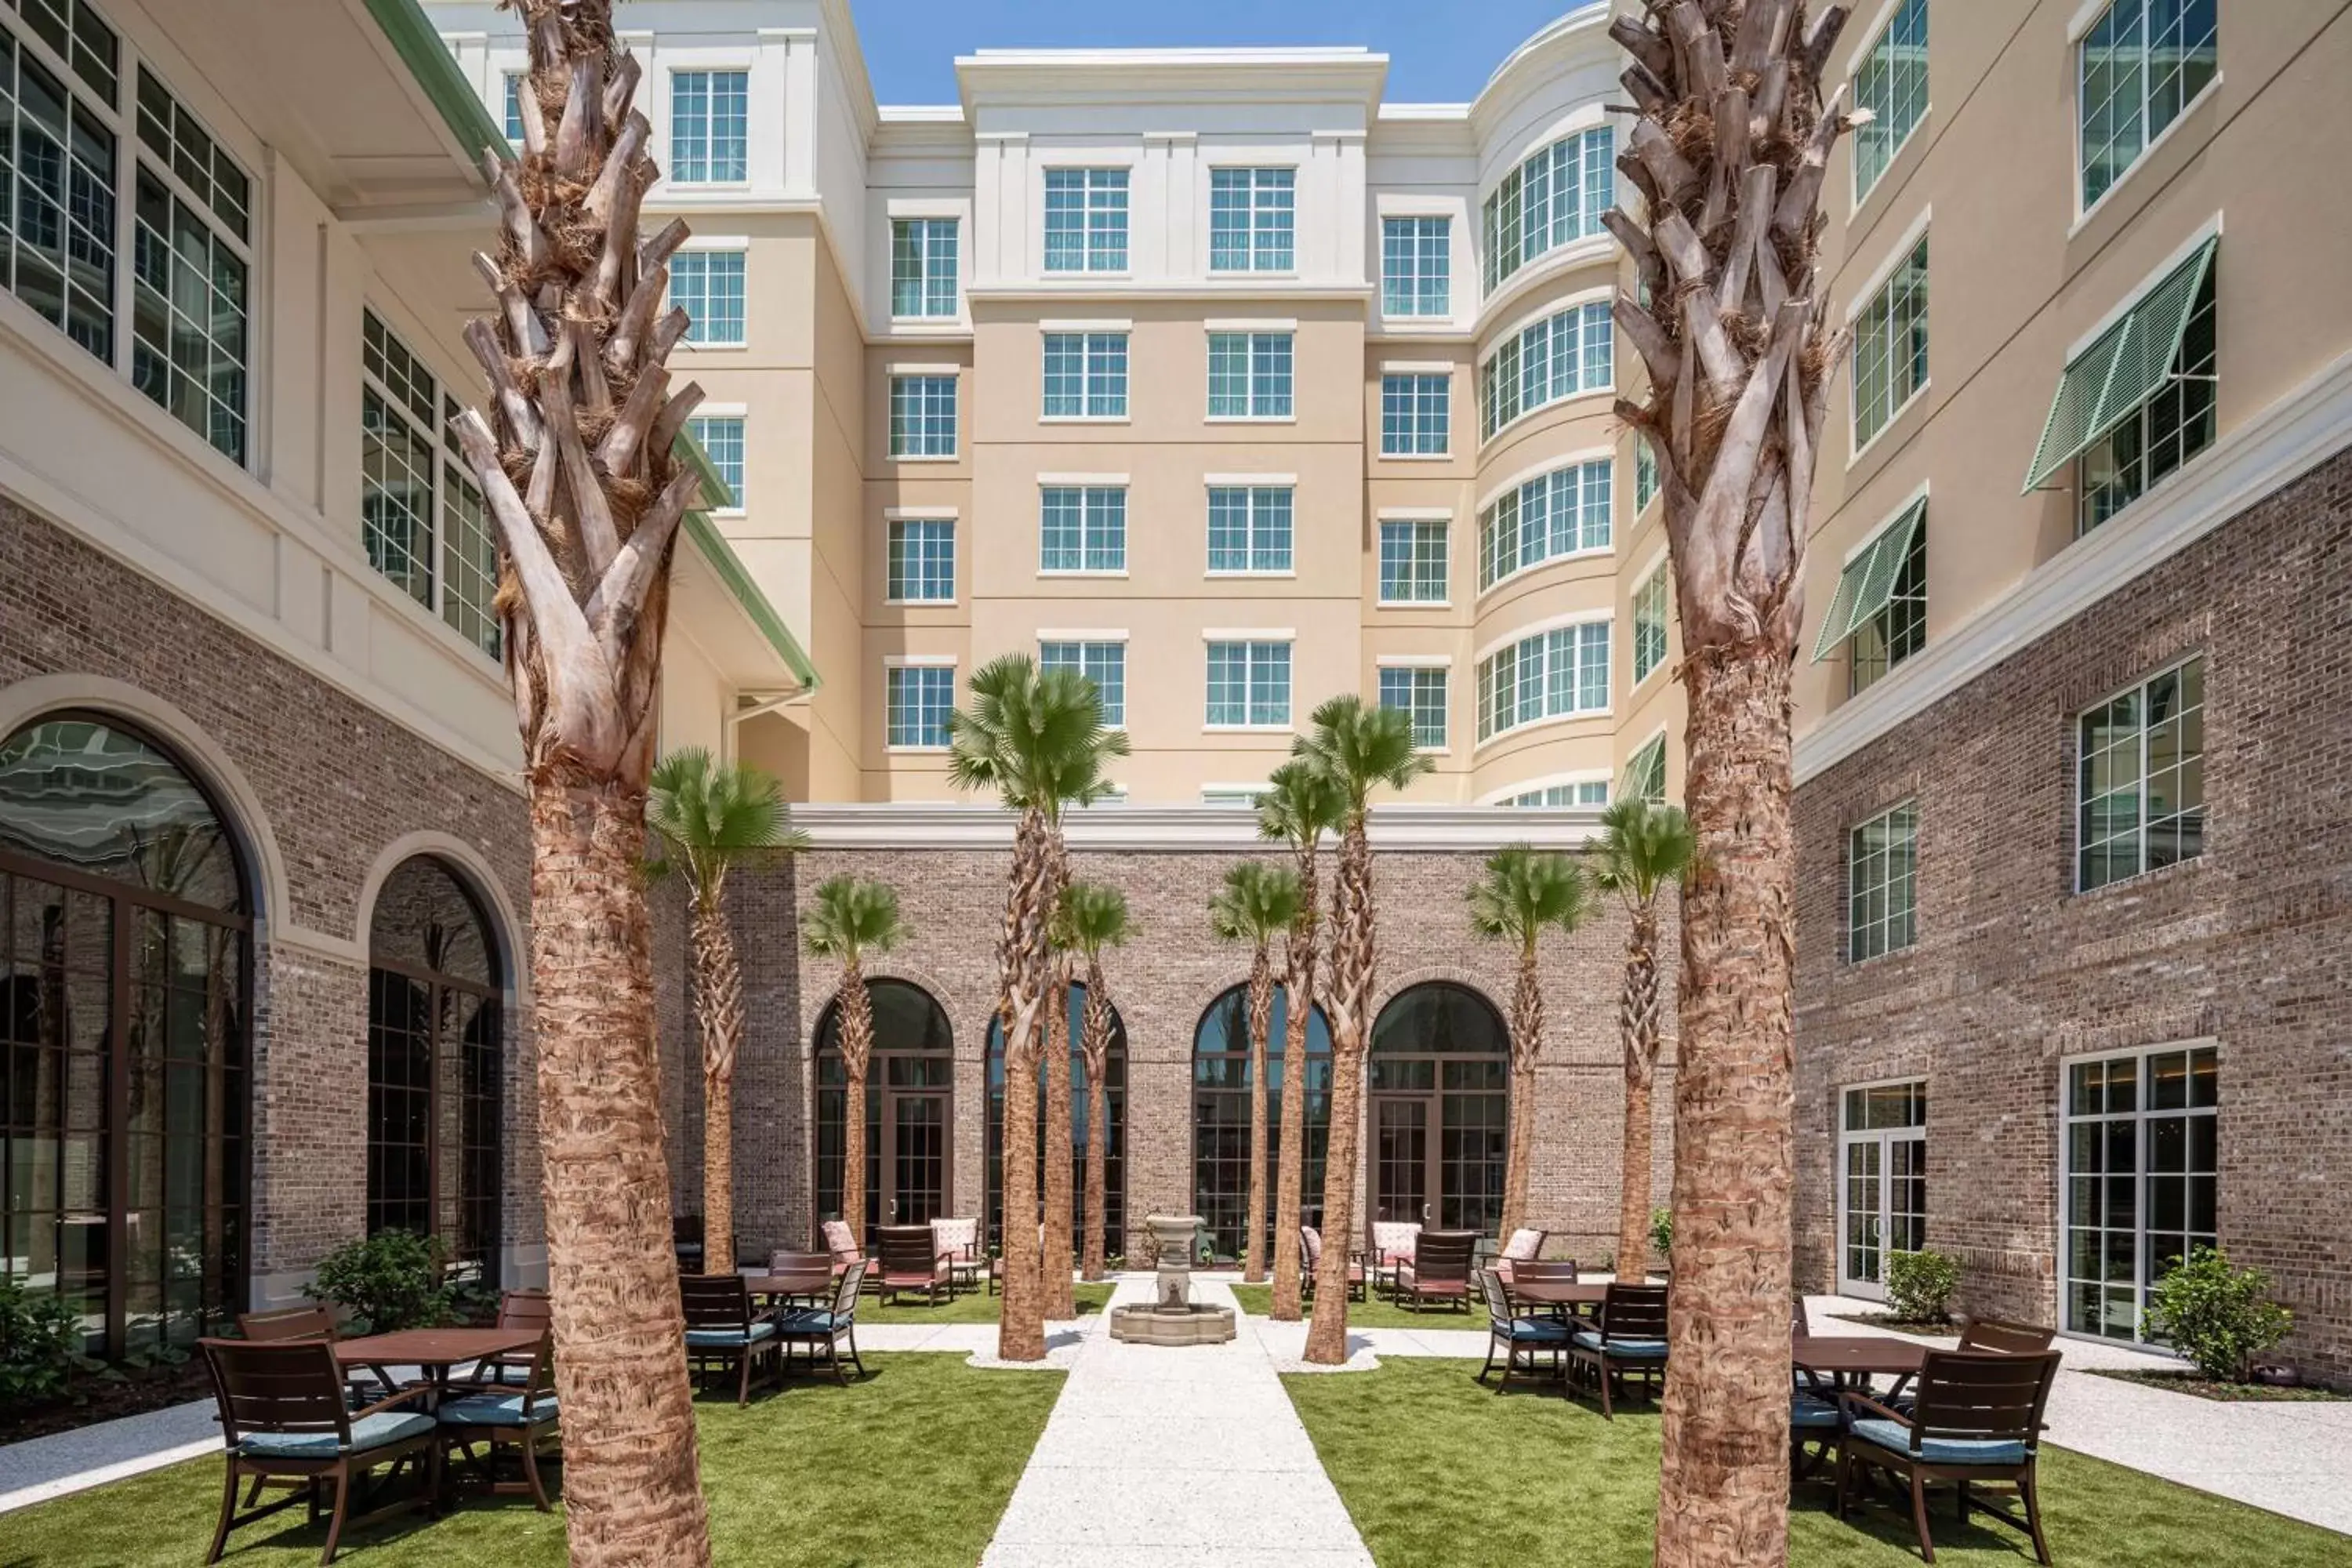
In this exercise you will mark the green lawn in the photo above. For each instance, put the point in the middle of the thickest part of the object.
(1442, 1473)
(909, 1469)
(971, 1307)
(1377, 1313)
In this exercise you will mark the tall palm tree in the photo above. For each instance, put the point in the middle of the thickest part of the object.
(1644, 847)
(1094, 917)
(1360, 747)
(584, 419)
(1058, 1262)
(1258, 903)
(1524, 893)
(850, 918)
(1038, 741)
(1300, 806)
(709, 819)
(1727, 149)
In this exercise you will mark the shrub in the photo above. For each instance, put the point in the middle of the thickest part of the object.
(1661, 1230)
(40, 1345)
(1920, 1284)
(2219, 1317)
(392, 1280)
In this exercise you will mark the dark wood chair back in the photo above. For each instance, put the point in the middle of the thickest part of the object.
(1544, 1270)
(316, 1322)
(908, 1249)
(1634, 1312)
(1991, 1336)
(1443, 1256)
(785, 1260)
(1498, 1298)
(276, 1385)
(716, 1302)
(1799, 1325)
(526, 1309)
(845, 1292)
(1973, 1395)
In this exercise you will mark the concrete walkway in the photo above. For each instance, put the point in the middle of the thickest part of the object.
(1175, 1459)
(40, 1468)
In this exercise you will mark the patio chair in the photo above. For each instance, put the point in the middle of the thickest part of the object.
(284, 1416)
(912, 1264)
(827, 1329)
(517, 1310)
(1439, 1269)
(1522, 1338)
(840, 1241)
(1991, 1336)
(1631, 1339)
(1526, 1245)
(959, 1239)
(1310, 1247)
(361, 1386)
(1391, 1245)
(1814, 1415)
(686, 1240)
(721, 1332)
(497, 1413)
(1978, 1422)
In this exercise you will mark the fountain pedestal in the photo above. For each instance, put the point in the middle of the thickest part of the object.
(1173, 1318)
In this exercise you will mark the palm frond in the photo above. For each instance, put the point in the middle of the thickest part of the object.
(1034, 737)
(1526, 891)
(1361, 746)
(1643, 846)
(850, 917)
(1300, 804)
(1257, 902)
(1092, 916)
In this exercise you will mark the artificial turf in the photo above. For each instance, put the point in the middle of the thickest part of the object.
(1380, 1312)
(966, 1307)
(1440, 1472)
(911, 1467)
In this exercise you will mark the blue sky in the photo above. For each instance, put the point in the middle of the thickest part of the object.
(1439, 50)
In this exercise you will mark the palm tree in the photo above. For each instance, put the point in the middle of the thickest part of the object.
(1644, 846)
(1039, 741)
(1058, 1260)
(850, 918)
(1299, 806)
(709, 819)
(1257, 902)
(1525, 893)
(1094, 917)
(1360, 747)
(585, 419)
(1728, 150)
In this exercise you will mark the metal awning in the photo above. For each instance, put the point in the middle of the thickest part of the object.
(1868, 581)
(2124, 367)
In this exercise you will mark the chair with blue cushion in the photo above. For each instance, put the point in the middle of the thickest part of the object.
(1815, 1418)
(284, 1416)
(1630, 1341)
(722, 1331)
(824, 1329)
(1978, 1421)
(1523, 1337)
(499, 1412)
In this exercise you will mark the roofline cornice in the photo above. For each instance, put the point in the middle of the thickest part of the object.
(1176, 829)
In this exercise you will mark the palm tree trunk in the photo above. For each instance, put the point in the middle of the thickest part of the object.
(718, 1009)
(1724, 1485)
(1637, 1024)
(1527, 1044)
(1022, 960)
(633, 1491)
(1290, 1166)
(1096, 1035)
(1261, 1011)
(1352, 938)
(1061, 1156)
(857, 1006)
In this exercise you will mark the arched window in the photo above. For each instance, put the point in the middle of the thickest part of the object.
(1114, 1135)
(436, 1066)
(1440, 1087)
(909, 1110)
(1220, 1115)
(125, 1007)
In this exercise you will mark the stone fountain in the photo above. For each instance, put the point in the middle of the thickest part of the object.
(1173, 1316)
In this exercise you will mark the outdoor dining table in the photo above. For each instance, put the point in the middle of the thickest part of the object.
(434, 1351)
(1850, 1361)
(807, 1277)
(1579, 1298)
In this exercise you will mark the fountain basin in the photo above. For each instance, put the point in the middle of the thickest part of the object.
(1173, 1317)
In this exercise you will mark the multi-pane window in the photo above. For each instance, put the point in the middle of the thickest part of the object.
(2140, 778)
(1584, 792)
(1102, 662)
(1249, 684)
(1085, 220)
(1645, 474)
(1882, 863)
(2140, 65)
(1562, 356)
(1556, 197)
(1253, 220)
(1879, 614)
(923, 415)
(1414, 561)
(1561, 514)
(189, 308)
(1419, 691)
(1416, 414)
(1899, 630)
(1416, 266)
(1082, 528)
(57, 169)
(512, 116)
(918, 699)
(1249, 528)
(923, 266)
(1890, 346)
(721, 437)
(1649, 625)
(1249, 376)
(1085, 375)
(1645, 771)
(2142, 1181)
(1550, 675)
(710, 121)
(921, 562)
(1892, 83)
(2165, 428)
(422, 518)
(708, 286)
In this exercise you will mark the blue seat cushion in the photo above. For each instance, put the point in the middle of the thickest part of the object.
(367, 1431)
(1894, 1435)
(727, 1339)
(1812, 1413)
(1647, 1350)
(1533, 1331)
(496, 1410)
(808, 1322)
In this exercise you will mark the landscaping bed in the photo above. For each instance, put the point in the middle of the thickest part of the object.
(96, 1397)
(1923, 1327)
(1380, 1312)
(967, 1306)
(2213, 1388)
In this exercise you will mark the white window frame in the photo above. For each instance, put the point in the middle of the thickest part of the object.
(1884, 1138)
(891, 665)
(711, 135)
(2080, 804)
(2078, 36)
(1277, 494)
(1092, 490)
(1269, 225)
(713, 249)
(916, 433)
(1419, 669)
(1117, 180)
(1881, 33)
(1088, 338)
(1516, 644)
(923, 232)
(1416, 278)
(1498, 271)
(449, 490)
(1255, 399)
(1087, 644)
(1415, 521)
(1506, 361)
(895, 519)
(1652, 585)
(1250, 641)
(1583, 469)
(1867, 299)
(734, 413)
(1883, 945)
(2139, 1115)
(1417, 381)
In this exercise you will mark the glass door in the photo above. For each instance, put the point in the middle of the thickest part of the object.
(918, 1159)
(1400, 1159)
(2142, 1181)
(1861, 1227)
(1882, 1183)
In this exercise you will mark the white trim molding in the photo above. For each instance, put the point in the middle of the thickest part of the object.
(904, 825)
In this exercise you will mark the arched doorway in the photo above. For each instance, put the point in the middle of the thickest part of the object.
(1114, 1135)
(1220, 1115)
(909, 1110)
(126, 985)
(436, 1068)
(1440, 1091)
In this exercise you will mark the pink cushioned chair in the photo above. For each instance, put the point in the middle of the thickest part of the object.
(1525, 1246)
(1393, 1246)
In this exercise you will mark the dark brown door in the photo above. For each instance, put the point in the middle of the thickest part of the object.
(1401, 1151)
(917, 1160)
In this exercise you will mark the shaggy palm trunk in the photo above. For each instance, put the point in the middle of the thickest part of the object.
(1023, 962)
(857, 1058)
(1527, 1044)
(1261, 1016)
(718, 1009)
(1298, 1009)
(1351, 993)
(1061, 1156)
(1096, 1035)
(1637, 1025)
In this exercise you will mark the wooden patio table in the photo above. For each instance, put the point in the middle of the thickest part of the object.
(1850, 1361)
(808, 1277)
(1580, 1297)
(435, 1351)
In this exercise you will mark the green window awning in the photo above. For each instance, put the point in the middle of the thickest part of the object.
(2124, 367)
(1646, 772)
(1868, 581)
